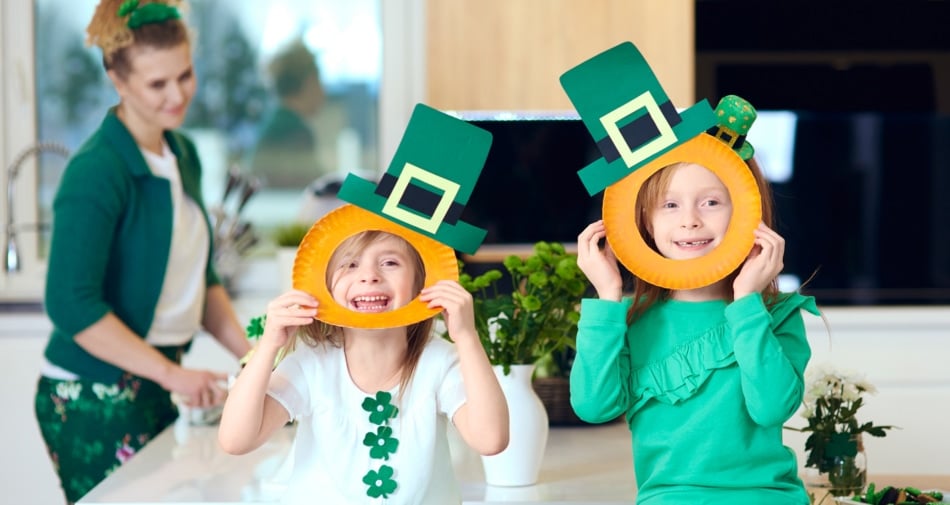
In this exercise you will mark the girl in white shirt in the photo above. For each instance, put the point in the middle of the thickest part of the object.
(372, 405)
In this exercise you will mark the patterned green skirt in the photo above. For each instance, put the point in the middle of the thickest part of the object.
(91, 428)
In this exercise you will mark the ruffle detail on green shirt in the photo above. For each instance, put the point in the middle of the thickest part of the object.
(678, 375)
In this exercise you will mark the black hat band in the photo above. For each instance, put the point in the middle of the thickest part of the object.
(419, 199)
(638, 132)
(728, 136)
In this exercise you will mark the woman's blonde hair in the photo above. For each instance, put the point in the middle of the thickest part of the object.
(110, 32)
(418, 334)
(646, 294)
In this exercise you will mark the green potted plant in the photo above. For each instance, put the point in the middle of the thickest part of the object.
(538, 312)
(530, 317)
(533, 320)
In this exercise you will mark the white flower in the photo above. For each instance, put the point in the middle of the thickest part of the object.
(824, 383)
(494, 326)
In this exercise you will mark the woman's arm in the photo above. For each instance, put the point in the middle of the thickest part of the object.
(482, 420)
(110, 340)
(222, 323)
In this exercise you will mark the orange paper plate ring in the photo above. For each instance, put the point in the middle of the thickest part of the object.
(326, 235)
(633, 252)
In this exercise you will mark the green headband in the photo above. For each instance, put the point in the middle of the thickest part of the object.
(146, 14)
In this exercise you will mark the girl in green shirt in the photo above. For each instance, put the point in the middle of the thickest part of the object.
(705, 376)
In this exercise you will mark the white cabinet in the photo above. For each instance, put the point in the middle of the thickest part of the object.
(26, 474)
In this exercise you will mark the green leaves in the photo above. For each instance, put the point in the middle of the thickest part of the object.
(536, 314)
(832, 400)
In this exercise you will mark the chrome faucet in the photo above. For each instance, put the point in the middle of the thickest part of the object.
(12, 253)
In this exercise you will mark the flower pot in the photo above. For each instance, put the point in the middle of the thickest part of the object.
(555, 395)
(520, 463)
(843, 469)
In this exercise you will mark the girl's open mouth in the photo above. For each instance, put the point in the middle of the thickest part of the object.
(373, 303)
(693, 244)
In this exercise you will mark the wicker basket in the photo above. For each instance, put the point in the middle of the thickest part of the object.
(555, 394)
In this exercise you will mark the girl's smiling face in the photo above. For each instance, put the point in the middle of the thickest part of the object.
(382, 276)
(690, 217)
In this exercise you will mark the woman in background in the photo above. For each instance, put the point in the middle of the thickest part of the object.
(130, 279)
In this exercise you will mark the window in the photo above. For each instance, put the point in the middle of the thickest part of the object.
(62, 95)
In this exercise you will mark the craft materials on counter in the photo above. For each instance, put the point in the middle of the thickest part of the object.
(890, 495)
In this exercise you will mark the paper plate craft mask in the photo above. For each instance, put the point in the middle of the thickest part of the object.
(420, 198)
(639, 132)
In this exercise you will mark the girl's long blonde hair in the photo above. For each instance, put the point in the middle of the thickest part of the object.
(646, 294)
(418, 334)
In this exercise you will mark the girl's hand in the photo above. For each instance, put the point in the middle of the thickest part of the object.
(599, 265)
(285, 314)
(764, 263)
(457, 308)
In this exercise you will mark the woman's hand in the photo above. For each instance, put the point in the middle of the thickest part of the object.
(457, 308)
(599, 265)
(764, 263)
(199, 389)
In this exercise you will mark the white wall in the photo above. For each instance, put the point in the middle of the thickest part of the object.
(904, 352)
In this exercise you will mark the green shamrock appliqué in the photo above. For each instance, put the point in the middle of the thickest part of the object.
(382, 443)
(380, 410)
(256, 327)
(380, 483)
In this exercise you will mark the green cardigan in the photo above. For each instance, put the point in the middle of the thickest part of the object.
(112, 230)
(706, 388)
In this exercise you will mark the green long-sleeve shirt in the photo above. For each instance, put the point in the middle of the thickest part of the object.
(705, 387)
(112, 232)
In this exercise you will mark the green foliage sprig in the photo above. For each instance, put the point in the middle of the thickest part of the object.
(538, 315)
(290, 234)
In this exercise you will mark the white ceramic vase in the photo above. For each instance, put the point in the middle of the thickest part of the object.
(520, 463)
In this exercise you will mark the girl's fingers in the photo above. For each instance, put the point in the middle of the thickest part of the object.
(448, 295)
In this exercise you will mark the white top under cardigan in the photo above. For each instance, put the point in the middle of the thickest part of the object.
(181, 303)
(315, 387)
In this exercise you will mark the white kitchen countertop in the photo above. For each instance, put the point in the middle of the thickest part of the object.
(184, 465)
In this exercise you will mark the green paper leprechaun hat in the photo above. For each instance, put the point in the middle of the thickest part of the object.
(734, 117)
(430, 179)
(627, 112)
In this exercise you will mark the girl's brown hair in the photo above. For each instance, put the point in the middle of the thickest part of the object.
(110, 32)
(646, 294)
(418, 334)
